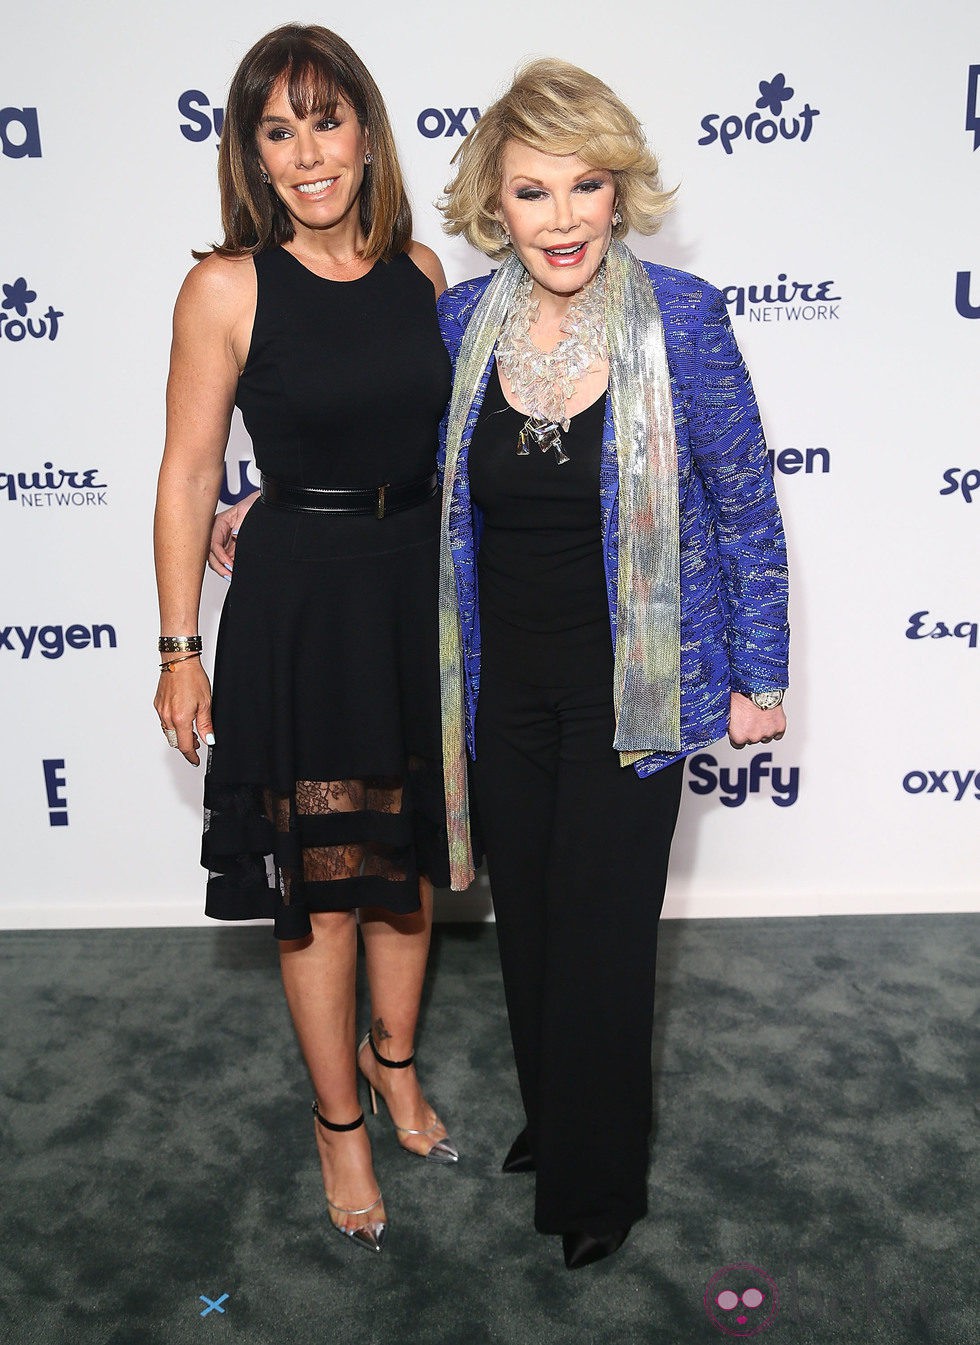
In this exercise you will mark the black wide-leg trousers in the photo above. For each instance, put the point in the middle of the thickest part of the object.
(577, 849)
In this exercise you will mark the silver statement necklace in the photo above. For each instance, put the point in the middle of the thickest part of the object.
(544, 381)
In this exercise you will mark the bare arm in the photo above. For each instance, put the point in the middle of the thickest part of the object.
(211, 319)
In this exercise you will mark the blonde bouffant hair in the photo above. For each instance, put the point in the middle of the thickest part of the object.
(559, 109)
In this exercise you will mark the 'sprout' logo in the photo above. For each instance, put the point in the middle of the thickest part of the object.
(16, 322)
(773, 95)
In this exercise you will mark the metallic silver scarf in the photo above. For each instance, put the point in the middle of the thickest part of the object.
(646, 680)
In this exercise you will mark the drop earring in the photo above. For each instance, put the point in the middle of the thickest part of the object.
(505, 236)
(264, 176)
(617, 219)
(368, 158)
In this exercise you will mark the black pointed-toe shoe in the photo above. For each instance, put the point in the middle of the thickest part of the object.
(581, 1249)
(519, 1157)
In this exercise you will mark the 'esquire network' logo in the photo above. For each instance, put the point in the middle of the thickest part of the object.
(52, 641)
(735, 786)
(17, 323)
(774, 94)
(54, 488)
(20, 136)
(785, 300)
(919, 629)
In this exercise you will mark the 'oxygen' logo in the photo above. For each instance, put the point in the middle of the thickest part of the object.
(52, 641)
(773, 94)
(434, 122)
(791, 461)
(936, 782)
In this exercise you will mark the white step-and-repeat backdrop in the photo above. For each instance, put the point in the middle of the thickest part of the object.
(828, 158)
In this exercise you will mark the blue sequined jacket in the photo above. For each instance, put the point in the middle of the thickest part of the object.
(734, 631)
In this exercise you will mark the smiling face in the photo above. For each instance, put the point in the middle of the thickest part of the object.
(315, 163)
(558, 211)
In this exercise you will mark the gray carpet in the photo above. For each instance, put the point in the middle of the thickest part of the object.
(815, 1122)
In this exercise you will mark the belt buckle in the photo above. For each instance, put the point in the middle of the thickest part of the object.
(381, 499)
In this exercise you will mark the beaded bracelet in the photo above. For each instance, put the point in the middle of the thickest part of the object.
(169, 667)
(180, 644)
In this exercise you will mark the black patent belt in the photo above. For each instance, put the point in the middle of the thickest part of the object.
(378, 500)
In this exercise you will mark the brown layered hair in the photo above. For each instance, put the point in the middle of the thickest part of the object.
(316, 69)
(559, 109)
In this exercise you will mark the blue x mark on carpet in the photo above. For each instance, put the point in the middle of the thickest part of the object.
(212, 1305)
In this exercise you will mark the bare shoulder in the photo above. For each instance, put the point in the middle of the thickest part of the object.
(220, 286)
(428, 263)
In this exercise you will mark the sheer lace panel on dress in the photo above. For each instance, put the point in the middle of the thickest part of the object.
(331, 799)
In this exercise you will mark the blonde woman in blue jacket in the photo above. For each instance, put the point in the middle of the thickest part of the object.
(613, 596)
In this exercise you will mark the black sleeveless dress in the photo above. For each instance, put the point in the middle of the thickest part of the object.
(324, 787)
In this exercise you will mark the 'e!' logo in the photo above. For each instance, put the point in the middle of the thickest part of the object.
(200, 123)
(19, 134)
(963, 305)
(973, 104)
(15, 323)
(54, 783)
(434, 122)
(773, 93)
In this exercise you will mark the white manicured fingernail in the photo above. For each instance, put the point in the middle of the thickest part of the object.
(209, 739)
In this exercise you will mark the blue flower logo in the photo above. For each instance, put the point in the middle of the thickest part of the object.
(17, 296)
(775, 92)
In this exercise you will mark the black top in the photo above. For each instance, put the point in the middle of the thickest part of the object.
(542, 581)
(354, 411)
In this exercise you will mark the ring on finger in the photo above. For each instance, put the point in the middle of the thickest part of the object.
(170, 735)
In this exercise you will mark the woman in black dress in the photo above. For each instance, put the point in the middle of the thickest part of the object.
(316, 317)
